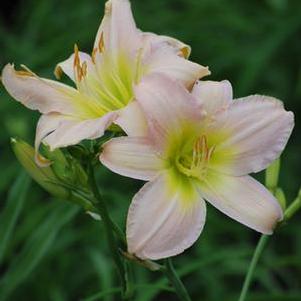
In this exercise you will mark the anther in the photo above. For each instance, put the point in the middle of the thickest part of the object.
(93, 55)
(101, 44)
(84, 69)
(76, 61)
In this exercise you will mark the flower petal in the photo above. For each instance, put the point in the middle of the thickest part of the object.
(163, 221)
(46, 124)
(258, 129)
(181, 48)
(61, 131)
(67, 66)
(133, 157)
(243, 199)
(118, 29)
(168, 106)
(214, 96)
(42, 94)
(164, 60)
(132, 120)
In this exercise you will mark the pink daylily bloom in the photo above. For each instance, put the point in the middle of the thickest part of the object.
(122, 55)
(198, 146)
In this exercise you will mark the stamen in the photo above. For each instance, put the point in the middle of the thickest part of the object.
(84, 68)
(27, 71)
(76, 56)
(79, 72)
(138, 65)
(210, 153)
(196, 164)
(194, 158)
(93, 55)
(101, 44)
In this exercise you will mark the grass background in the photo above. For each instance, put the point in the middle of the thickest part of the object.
(50, 250)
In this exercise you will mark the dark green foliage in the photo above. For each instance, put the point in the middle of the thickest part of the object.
(50, 250)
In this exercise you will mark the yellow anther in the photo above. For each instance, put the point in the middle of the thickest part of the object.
(93, 55)
(79, 72)
(76, 61)
(101, 43)
(195, 165)
(84, 68)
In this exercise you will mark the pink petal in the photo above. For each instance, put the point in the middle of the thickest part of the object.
(164, 221)
(243, 199)
(165, 61)
(41, 94)
(180, 48)
(169, 107)
(67, 66)
(258, 129)
(46, 125)
(118, 27)
(60, 131)
(132, 120)
(133, 157)
(214, 96)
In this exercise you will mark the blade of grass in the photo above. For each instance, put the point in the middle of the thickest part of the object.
(104, 271)
(36, 248)
(12, 210)
(152, 292)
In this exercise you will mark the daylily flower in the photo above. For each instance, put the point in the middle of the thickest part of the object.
(199, 146)
(122, 55)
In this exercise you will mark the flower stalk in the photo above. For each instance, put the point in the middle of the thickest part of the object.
(176, 282)
(258, 251)
(271, 182)
(108, 227)
(293, 207)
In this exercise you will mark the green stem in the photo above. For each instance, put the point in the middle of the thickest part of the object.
(258, 251)
(107, 222)
(293, 207)
(176, 282)
(119, 233)
(129, 279)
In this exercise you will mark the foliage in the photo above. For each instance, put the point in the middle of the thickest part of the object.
(50, 249)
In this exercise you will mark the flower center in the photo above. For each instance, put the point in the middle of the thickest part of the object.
(107, 83)
(195, 162)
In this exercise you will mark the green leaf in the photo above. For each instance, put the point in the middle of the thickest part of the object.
(36, 248)
(12, 210)
(104, 271)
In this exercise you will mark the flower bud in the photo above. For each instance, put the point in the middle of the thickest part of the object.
(272, 176)
(44, 176)
(64, 178)
(67, 168)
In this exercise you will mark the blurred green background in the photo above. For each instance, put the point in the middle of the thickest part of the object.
(51, 250)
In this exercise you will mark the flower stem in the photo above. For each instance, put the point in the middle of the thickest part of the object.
(176, 282)
(258, 251)
(108, 227)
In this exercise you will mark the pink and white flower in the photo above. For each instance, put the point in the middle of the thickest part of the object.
(198, 146)
(122, 55)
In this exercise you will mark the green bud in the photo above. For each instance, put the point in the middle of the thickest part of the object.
(66, 168)
(44, 176)
(78, 152)
(280, 196)
(272, 175)
(64, 178)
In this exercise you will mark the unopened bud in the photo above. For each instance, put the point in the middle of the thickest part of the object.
(44, 176)
(272, 176)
